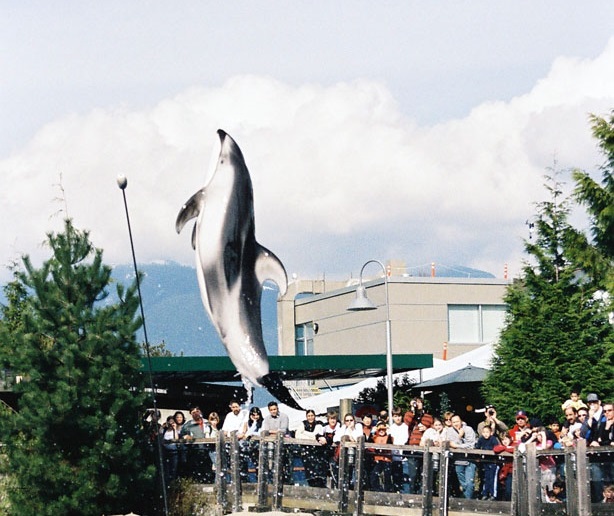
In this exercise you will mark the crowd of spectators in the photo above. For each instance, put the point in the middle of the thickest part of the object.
(391, 470)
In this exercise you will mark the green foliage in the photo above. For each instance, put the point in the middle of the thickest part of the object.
(189, 499)
(598, 199)
(74, 446)
(156, 350)
(378, 395)
(444, 403)
(557, 333)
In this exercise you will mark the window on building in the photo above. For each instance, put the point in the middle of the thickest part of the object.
(475, 324)
(303, 339)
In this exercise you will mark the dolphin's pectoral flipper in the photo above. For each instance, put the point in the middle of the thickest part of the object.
(269, 267)
(194, 235)
(190, 209)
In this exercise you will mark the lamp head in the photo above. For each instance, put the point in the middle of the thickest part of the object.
(361, 301)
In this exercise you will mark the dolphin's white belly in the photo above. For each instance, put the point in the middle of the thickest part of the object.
(225, 306)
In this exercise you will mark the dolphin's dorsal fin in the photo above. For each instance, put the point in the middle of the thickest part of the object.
(269, 267)
(190, 210)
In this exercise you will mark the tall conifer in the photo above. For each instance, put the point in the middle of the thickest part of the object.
(556, 335)
(75, 444)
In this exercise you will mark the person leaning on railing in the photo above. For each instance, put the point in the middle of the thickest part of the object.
(418, 420)
(326, 440)
(313, 457)
(602, 434)
(380, 477)
(462, 436)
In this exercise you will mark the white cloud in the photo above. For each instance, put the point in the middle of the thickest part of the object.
(338, 163)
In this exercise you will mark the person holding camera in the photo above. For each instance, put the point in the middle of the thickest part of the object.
(497, 427)
(417, 420)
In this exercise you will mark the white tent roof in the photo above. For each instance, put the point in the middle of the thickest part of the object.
(480, 357)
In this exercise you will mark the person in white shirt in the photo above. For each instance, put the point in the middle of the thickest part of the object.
(235, 420)
(433, 433)
(349, 431)
(349, 428)
(399, 432)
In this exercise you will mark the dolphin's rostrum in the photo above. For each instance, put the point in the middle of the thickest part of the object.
(231, 266)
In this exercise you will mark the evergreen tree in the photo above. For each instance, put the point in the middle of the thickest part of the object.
(556, 335)
(74, 445)
(378, 395)
(597, 257)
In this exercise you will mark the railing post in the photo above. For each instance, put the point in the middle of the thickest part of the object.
(235, 473)
(533, 488)
(263, 475)
(343, 481)
(278, 472)
(519, 491)
(444, 476)
(584, 481)
(220, 473)
(571, 480)
(359, 485)
(427, 480)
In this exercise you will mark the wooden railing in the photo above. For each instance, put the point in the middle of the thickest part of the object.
(280, 484)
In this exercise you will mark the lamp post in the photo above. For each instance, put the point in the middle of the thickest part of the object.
(360, 303)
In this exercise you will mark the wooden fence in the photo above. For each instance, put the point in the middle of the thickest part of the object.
(278, 482)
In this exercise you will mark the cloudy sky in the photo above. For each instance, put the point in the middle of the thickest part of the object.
(411, 130)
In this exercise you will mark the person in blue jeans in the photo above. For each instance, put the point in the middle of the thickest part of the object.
(487, 441)
(462, 436)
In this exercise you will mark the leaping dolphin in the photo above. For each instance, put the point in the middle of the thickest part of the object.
(231, 266)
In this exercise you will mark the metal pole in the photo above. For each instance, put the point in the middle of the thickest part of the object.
(122, 182)
(388, 349)
(389, 380)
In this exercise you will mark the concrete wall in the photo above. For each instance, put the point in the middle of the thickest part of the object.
(418, 314)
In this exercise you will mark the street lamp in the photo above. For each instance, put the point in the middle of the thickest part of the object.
(360, 303)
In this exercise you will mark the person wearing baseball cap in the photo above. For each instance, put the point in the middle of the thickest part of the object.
(522, 429)
(595, 410)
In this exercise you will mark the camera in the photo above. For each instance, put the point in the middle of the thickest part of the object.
(491, 412)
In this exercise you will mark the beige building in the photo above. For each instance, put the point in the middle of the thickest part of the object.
(427, 315)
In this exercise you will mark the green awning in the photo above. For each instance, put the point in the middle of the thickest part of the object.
(170, 370)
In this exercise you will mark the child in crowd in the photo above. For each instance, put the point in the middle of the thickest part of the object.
(555, 428)
(399, 432)
(505, 473)
(487, 441)
(574, 401)
(558, 488)
(380, 477)
(551, 497)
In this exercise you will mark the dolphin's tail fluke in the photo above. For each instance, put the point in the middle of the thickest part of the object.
(272, 383)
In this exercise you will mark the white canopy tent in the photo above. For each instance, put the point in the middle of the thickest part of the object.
(480, 357)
